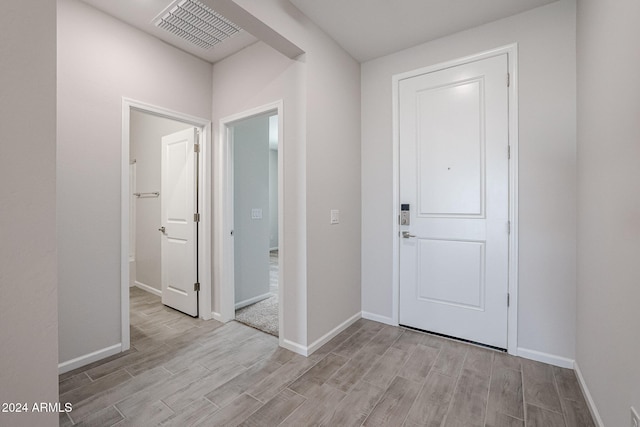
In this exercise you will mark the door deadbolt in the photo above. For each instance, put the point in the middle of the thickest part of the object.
(405, 214)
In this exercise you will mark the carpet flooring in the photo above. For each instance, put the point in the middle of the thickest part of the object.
(262, 315)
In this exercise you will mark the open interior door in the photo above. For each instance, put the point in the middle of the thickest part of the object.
(178, 206)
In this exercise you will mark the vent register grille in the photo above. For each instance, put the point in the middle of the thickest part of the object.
(197, 23)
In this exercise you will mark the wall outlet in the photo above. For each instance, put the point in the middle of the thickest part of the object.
(635, 418)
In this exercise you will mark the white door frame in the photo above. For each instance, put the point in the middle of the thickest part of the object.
(204, 228)
(223, 212)
(512, 58)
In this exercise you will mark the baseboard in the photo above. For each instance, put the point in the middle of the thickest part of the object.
(550, 359)
(377, 318)
(295, 347)
(148, 288)
(332, 333)
(217, 316)
(308, 350)
(590, 402)
(253, 300)
(78, 362)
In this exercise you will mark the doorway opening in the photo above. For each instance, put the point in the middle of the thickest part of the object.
(251, 220)
(165, 214)
(255, 220)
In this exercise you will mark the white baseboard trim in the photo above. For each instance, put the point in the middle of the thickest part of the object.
(308, 350)
(253, 300)
(217, 316)
(148, 288)
(332, 333)
(78, 362)
(377, 318)
(590, 402)
(551, 359)
(295, 347)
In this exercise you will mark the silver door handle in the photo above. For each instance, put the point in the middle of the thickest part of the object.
(407, 235)
(161, 229)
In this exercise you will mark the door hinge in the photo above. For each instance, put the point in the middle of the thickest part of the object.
(196, 286)
(196, 217)
(508, 299)
(508, 79)
(509, 152)
(508, 227)
(196, 148)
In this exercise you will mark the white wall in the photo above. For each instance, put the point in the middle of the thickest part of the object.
(546, 43)
(256, 76)
(251, 191)
(100, 60)
(28, 305)
(146, 132)
(332, 167)
(608, 348)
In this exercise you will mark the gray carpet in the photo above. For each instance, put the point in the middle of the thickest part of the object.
(262, 315)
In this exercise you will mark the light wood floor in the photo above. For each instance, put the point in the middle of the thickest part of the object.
(183, 371)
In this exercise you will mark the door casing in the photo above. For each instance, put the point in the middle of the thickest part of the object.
(512, 55)
(204, 194)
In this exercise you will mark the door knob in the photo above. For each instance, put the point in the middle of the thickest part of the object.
(161, 229)
(407, 235)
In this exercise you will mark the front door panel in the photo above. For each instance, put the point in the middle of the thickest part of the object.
(454, 177)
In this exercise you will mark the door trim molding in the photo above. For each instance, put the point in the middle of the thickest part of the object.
(204, 230)
(511, 51)
(223, 212)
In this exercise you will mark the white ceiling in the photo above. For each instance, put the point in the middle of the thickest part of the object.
(142, 13)
(369, 29)
(366, 29)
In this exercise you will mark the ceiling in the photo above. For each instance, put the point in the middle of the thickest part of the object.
(142, 13)
(382, 26)
(369, 29)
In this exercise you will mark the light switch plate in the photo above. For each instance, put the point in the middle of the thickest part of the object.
(256, 213)
(335, 216)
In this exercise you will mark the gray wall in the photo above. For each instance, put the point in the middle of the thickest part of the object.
(251, 191)
(28, 300)
(255, 76)
(322, 164)
(101, 60)
(608, 348)
(547, 170)
(146, 132)
(332, 178)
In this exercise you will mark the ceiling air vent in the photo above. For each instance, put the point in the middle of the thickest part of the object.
(197, 23)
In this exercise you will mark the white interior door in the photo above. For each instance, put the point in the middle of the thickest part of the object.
(454, 182)
(177, 208)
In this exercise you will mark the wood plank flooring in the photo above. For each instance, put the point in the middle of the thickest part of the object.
(187, 372)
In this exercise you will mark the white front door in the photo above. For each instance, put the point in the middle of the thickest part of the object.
(454, 172)
(178, 228)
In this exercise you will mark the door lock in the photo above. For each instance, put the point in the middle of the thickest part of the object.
(405, 214)
(407, 235)
(162, 230)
